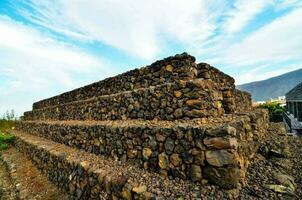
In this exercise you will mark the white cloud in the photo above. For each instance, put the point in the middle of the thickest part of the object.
(278, 41)
(133, 26)
(275, 43)
(33, 63)
(243, 12)
(257, 74)
(283, 4)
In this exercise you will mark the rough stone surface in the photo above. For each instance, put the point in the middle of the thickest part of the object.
(220, 158)
(167, 70)
(154, 102)
(163, 161)
(209, 87)
(225, 177)
(139, 189)
(157, 145)
(175, 160)
(175, 118)
(147, 153)
(221, 143)
(195, 173)
(261, 173)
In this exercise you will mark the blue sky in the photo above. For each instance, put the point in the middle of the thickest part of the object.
(48, 47)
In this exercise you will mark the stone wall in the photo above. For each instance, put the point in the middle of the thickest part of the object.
(178, 149)
(243, 101)
(233, 100)
(127, 96)
(181, 99)
(168, 70)
(95, 179)
(175, 117)
(207, 71)
(28, 115)
(179, 67)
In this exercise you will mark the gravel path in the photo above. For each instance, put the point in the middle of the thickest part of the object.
(140, 122)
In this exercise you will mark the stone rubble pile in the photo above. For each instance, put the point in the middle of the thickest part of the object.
(176, 119)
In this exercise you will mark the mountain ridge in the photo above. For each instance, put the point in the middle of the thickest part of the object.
(273, 87)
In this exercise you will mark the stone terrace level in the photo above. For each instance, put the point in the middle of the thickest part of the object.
(175, 119)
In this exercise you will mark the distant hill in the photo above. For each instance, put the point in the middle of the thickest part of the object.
(273, 87)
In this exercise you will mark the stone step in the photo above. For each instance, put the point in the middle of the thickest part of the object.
(172, 147)
(181, 99)
(178, 67)
(87, 176)
(174, 68)
(26, 180)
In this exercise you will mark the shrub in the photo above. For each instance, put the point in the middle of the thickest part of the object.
(3, 146)
(275, 111)
(6, 140)
(7, 123)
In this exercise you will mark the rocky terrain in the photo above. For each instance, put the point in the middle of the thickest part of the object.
(274, 173)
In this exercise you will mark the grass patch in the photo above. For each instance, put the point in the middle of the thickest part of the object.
(7, 123)
(3, 146)
(6, 140)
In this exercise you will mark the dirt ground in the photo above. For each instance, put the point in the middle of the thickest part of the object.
(20, 179)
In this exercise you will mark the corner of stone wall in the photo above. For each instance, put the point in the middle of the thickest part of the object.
(226, 166)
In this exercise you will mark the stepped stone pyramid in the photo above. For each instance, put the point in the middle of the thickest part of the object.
(150, 133)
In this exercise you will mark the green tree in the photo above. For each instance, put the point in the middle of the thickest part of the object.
(275, 110)
(9, 115)
(8, 120)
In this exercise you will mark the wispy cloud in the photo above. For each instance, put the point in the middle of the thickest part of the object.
(281, 4)
(257, 74)
(278, 41)
(242, 12)
(138, 28)
(33, 61)
(51, 46)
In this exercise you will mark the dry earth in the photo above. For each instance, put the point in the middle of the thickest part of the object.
(20, 179)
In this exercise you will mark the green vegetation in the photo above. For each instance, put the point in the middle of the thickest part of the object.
(5, 140)
(180, 197)
(3, 146)
(7, 123)
(275, 111)
(273, 107)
